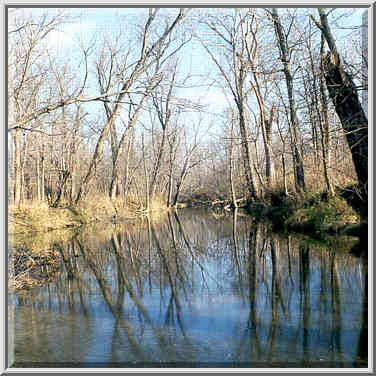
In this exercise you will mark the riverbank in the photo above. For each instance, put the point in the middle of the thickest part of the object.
(36, 216)
(315, 215)
(34, 228)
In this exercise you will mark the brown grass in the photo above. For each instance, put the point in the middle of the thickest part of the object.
(34, 228)
(37, 216)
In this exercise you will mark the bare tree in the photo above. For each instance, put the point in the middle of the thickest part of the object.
(235, 74)
(295, 131)
(164, 109)
(28, 76)
(146, 58)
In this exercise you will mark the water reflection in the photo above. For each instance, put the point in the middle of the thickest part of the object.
(196, 290)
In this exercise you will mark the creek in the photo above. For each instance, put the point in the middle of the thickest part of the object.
(196, 289)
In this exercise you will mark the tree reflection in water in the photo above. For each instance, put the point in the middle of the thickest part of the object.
(193, 290)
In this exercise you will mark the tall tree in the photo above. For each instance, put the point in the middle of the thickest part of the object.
(344, 95)
(235, 74)
(285, 56)
(146, 58)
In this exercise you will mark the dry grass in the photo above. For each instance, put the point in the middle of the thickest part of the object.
(37, 216)
(34, 228)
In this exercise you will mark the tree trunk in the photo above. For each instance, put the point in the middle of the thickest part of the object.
(169, 194)
(269, 163)
(115, 151)
(284, 172)
(233, 193)
(127, 177)
(17, 168)
(343, 93)
(180, 182)
(297, 151)
(246, 155)
(284, 175)
(266, 128)
(147, 196)
(38, 178)
(159, 161)
(64, 178)
(42, 174)
(114, 186)
(324, 124)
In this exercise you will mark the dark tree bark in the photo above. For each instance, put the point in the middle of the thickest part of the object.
(343, 93)
(65, 176)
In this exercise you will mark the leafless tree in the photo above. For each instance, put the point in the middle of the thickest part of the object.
(285, 56)
(235, 71)
(146, 58)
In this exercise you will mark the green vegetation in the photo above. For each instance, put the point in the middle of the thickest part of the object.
(314, 215)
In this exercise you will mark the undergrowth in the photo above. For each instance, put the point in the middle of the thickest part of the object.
(309, 213)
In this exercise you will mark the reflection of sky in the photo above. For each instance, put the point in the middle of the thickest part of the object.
(216, 324)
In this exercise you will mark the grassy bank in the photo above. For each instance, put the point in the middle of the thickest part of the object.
(34, 228)
(36, 216)
(311, 214)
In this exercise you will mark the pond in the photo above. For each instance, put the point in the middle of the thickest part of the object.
(196, 289)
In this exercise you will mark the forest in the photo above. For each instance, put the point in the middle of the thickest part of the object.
(147, 109)
(187, 187)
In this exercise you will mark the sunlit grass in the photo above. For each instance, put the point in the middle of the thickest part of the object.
(38, 216)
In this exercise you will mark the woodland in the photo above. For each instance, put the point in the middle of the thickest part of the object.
(167, 108)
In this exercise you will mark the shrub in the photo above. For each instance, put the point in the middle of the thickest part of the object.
(329, 214)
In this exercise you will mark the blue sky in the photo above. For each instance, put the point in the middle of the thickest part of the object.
(88, 24)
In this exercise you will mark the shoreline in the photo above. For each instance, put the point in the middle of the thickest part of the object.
(35, 228)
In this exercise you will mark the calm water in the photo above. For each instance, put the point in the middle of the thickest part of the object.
(196, 290)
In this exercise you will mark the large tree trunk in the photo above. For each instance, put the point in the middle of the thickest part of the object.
(42, 174)
(232, 186)
(269, 163)
(169, 192)
(343, 93)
